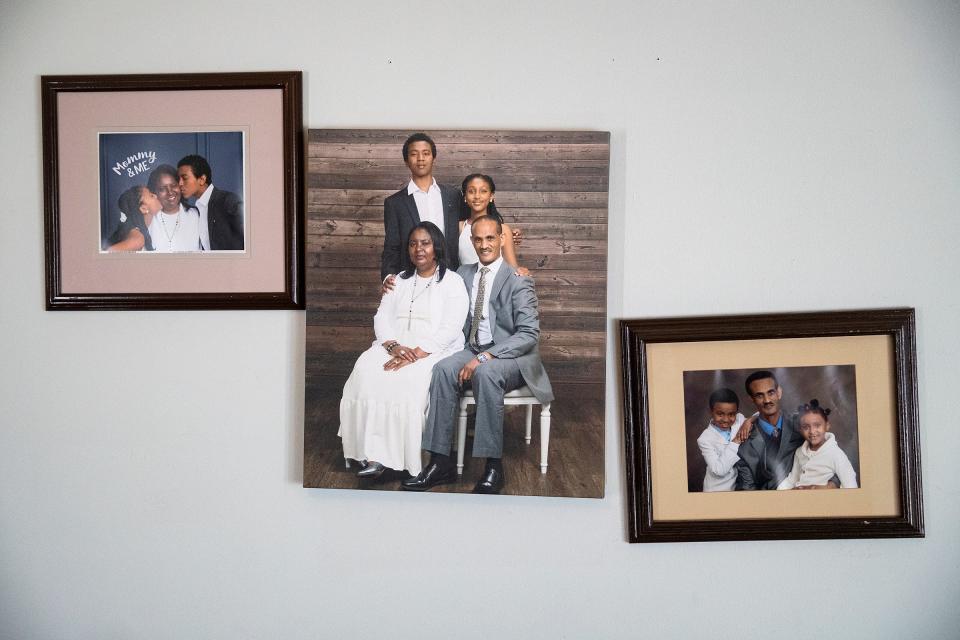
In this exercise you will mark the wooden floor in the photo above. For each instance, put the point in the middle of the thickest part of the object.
(575, 462)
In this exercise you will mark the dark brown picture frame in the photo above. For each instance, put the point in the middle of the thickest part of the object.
(637, 335)
(290, 296)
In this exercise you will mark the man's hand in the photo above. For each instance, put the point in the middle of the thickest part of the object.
(807, 487)
(522, 271)
(466, 374)
(388, 284)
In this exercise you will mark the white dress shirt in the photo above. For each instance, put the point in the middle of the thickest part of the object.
(484, 332)
(201, 204)
(429, 203)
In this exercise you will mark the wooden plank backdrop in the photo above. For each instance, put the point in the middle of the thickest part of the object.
(550, 184)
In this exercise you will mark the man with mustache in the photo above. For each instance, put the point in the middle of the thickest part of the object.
(766, 454)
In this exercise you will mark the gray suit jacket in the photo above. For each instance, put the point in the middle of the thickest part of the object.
(515, 323)
(759, 468)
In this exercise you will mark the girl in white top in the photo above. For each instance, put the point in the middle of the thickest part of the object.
(819, 458)
(138, 206)
(478, 191)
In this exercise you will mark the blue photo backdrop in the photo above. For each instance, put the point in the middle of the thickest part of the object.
(126, 159)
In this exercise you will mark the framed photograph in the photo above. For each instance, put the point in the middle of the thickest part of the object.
(364, 200)
(173, 191)
(773, 426)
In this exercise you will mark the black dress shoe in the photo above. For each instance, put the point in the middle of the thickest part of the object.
(491, 482)
(431, 476)
(371, 471)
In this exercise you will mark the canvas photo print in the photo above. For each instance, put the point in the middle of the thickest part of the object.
(456, 311)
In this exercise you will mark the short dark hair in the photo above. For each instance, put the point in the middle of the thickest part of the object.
(163, 169)
(760, 375)
(199, 166)
(487, 218)
(436, 237)
(724, 395)
(419, 137)
(491, 208)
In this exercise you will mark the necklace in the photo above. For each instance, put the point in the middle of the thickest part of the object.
(414, 295)
(170, 236)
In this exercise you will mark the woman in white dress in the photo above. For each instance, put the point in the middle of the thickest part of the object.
(419, 322)
(478, 191)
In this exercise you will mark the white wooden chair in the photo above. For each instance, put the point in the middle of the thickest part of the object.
(524, 396)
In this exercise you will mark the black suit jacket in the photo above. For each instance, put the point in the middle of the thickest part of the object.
(400, 216)
(225, 221)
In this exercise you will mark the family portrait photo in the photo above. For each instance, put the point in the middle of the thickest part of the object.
(771, 426)
(456, 305)
(172, 192)
(771, 429)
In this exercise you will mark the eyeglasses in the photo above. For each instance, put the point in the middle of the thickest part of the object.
(168, 189)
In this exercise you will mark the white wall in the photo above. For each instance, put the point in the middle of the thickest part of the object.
(766, 156)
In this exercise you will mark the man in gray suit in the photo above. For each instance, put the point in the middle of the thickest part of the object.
(766, 452)
(769, 439)
(502, 333)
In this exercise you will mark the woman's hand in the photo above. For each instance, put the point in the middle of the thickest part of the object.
(395, 363)
(405, 353)
(402, 356)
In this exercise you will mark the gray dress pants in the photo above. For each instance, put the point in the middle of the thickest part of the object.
(491, 380)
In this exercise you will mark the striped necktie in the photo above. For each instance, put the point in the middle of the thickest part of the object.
(478, 307)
